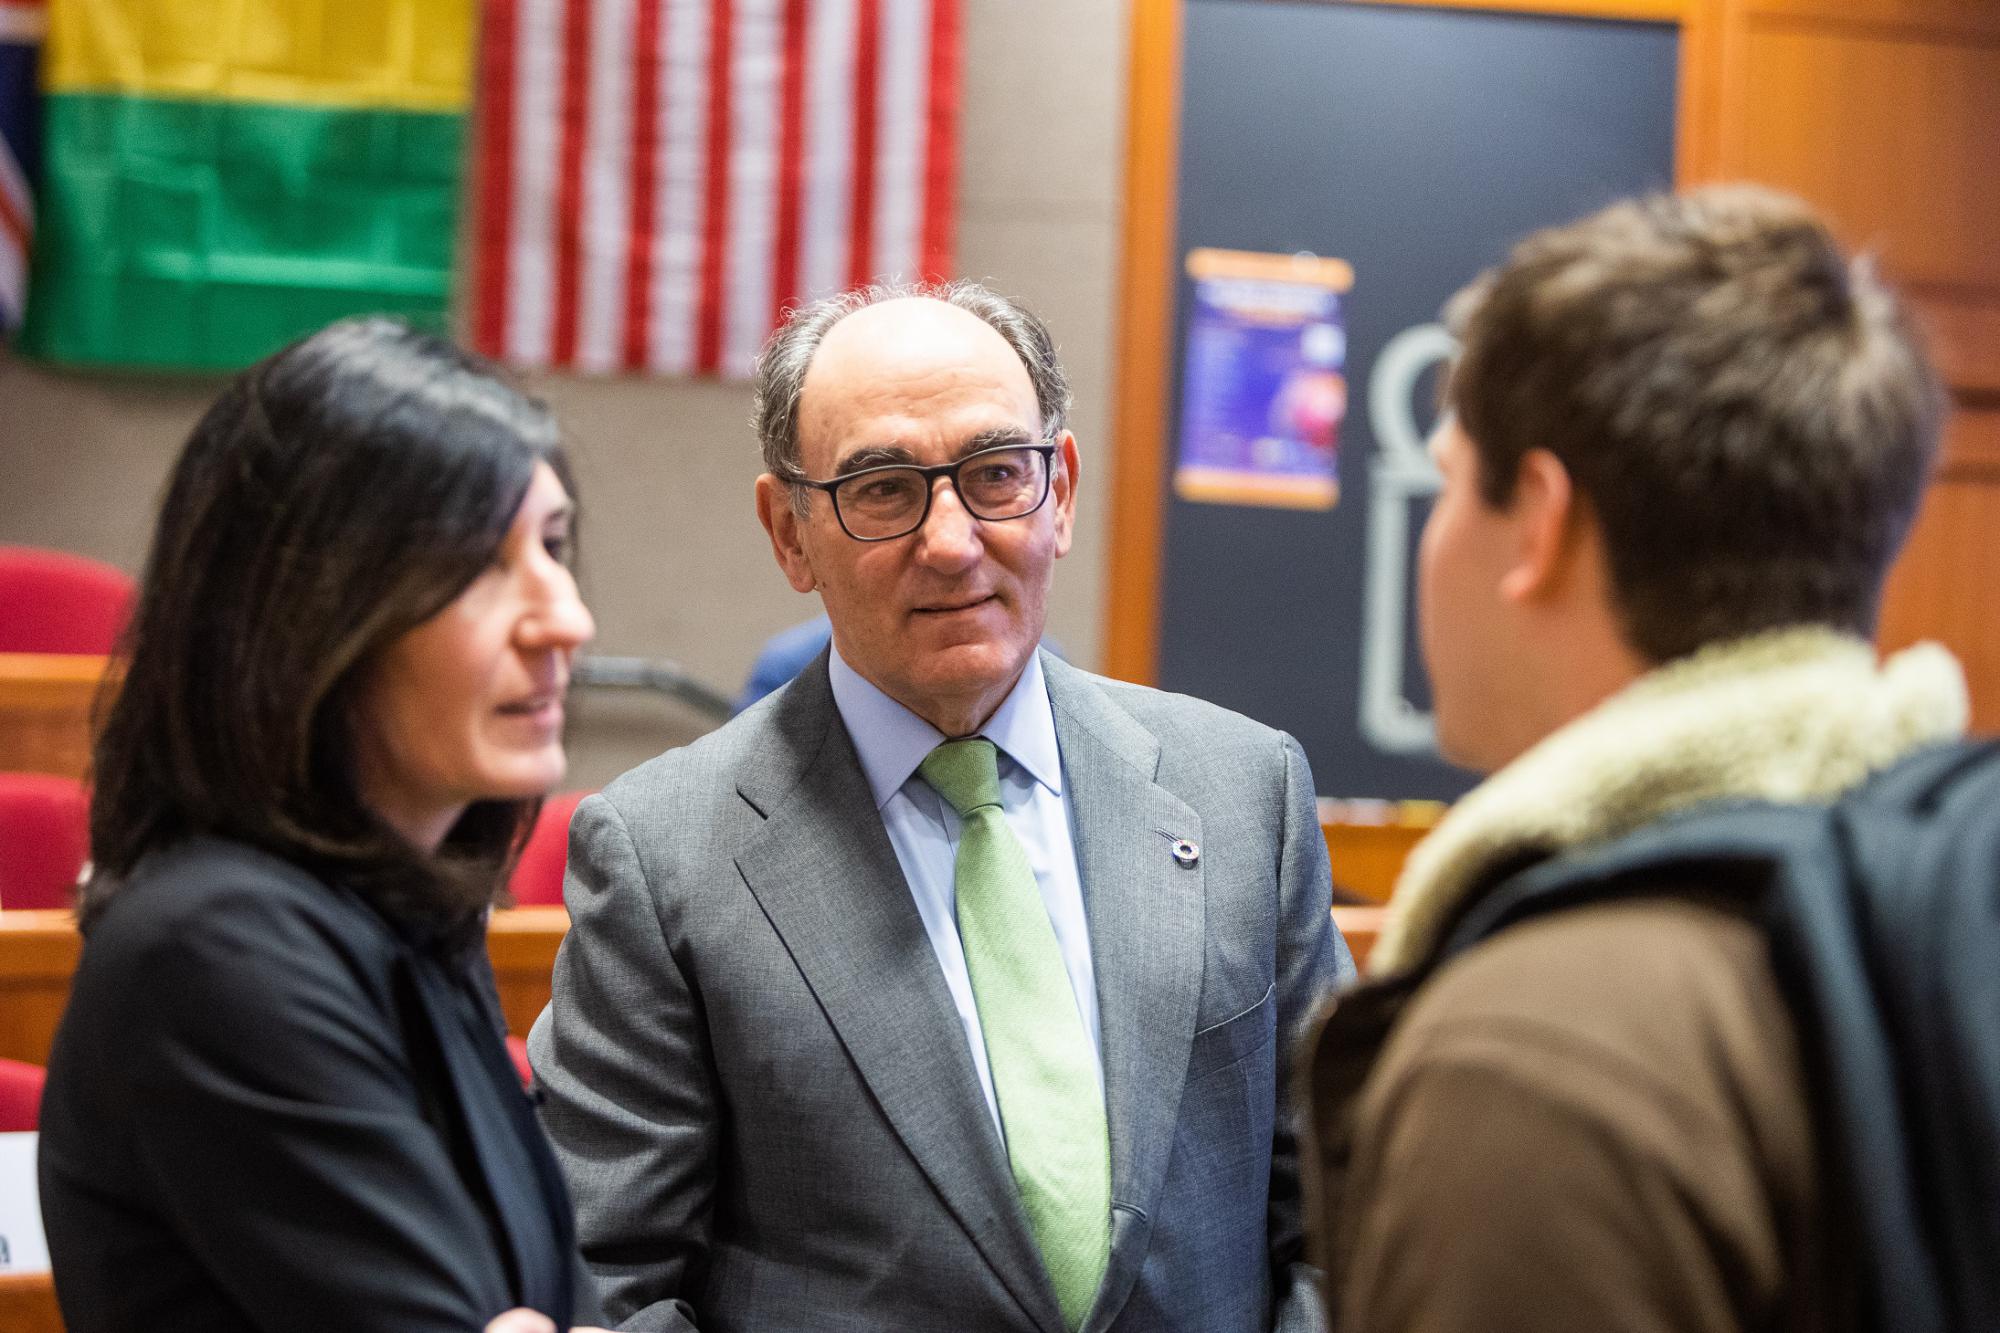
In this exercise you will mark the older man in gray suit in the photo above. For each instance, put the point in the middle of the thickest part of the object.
(950, 987)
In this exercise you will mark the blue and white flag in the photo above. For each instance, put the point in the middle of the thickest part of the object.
(21, 26)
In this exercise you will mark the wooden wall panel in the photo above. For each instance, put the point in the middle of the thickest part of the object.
(1885, 114)
(1835, 114)
(1947, 585)
(1891, 130)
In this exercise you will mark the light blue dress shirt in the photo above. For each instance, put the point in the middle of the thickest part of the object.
(923, 828)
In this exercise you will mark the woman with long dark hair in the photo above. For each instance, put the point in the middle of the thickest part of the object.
(280, 1099)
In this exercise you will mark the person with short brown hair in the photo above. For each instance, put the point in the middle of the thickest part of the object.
(1744, 410)
(1687, 436)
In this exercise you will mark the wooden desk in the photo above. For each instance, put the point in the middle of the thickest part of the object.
(1367, 855)
(38, 952)
(1362, 926)
(522, 942)
(28, 1304)
(45, 709)
(39, 955)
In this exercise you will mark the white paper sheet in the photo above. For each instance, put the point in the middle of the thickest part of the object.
(23, 1248)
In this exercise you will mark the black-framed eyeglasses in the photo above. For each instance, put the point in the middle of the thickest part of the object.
(879, 504)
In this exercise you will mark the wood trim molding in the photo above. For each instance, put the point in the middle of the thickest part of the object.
(1145, 337)
(1698, 100)
(1953, 21)
(1714, 97)
(1971, 449)
(1964, 329)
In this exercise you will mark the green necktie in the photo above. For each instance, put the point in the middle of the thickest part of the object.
(1044, 1072)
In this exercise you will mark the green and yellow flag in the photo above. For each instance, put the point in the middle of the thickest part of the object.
(224, 176)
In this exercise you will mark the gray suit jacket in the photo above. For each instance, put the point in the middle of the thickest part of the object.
(760, 1090)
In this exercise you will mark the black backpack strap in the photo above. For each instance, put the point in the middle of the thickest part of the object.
(1735, 847)
(1918, 782)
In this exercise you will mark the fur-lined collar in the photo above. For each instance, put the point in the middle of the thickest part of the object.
(1794, 715)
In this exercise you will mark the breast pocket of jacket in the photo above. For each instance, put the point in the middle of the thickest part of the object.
(1236, 1037)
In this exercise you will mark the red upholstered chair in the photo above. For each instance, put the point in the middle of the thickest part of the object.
(538, 878)
(517, 1050)
(44, 839)
(54, 602)
(20, 1096)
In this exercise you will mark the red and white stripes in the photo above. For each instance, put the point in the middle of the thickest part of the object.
(17, 235)
(659, 179)
(21, 29)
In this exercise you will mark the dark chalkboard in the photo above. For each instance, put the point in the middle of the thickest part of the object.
(1416, 144)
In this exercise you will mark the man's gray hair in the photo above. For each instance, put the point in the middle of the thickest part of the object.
(781, 368)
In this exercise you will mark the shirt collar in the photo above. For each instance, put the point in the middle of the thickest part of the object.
(891, 740)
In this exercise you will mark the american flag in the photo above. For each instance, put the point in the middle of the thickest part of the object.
(21, 25)
(659, 179)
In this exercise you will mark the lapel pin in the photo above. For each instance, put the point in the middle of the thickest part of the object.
(1185, 851)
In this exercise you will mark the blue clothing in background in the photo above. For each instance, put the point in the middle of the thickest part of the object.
(783, 656)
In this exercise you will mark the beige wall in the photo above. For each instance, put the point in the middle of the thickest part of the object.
(675, 563)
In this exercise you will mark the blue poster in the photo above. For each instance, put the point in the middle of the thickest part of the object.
(1263, 383)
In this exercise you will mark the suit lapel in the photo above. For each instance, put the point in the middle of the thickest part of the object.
(827, 877)
(514, 1158)
(1146, 945)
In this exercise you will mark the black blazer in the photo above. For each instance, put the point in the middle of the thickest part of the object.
(268, 1108)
